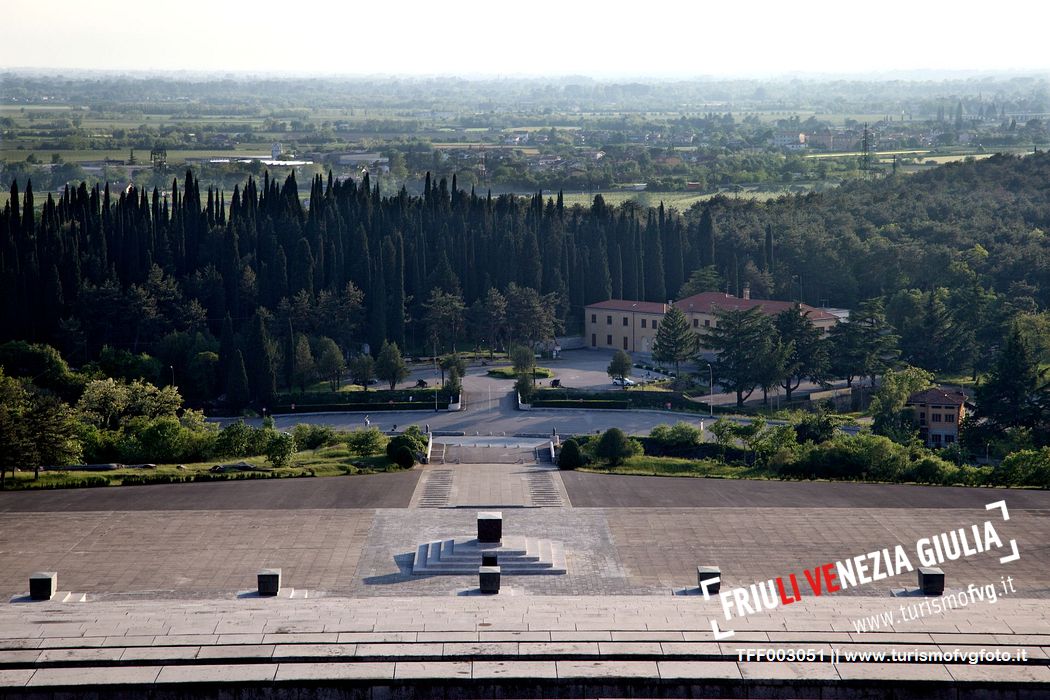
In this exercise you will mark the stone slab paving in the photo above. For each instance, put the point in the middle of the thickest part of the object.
(515, 627)
(662, 547)
(592, 563)
(363, 552)
(181, 553)
(490, 485)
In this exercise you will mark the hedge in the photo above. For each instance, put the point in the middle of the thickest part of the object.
(572, 398)
(334, 407)
(580, 403)
(377, 396)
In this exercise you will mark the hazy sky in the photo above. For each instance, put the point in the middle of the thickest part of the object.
(537, 37)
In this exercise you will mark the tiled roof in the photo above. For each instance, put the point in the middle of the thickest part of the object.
(649, 307)
(938, 396)
(710, 301)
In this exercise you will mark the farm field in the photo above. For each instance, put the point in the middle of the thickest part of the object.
(679, 200)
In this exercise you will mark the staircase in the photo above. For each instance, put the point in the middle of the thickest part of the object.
(516, 556)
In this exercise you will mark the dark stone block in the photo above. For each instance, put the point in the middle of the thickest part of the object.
(488, 579)
(42, 585)
(489, 560)
(490, 527)
(269, 581)
(931, 580)
(703, 573)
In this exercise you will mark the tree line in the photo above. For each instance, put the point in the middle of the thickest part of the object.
(952, 257)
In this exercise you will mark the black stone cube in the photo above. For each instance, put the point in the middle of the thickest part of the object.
(269, 581)
(42, 585)
(931, 580)
(490, 527)
(704, 573)
(489, 560)
(488, 579)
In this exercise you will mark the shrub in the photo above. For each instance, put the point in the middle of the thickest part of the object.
(1025, 468)
(309, 436)
(147, 440)
(677, 438)
(615, 447)
(413, 438)
(366, 442)
(233, 440)
(523, 385)
(930, 470)
(570, 456)
(404, 457)
(816, 427)
(280, 449)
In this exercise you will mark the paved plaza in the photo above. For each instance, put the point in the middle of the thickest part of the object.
(167, 579)
(510, 646)
(338, 536)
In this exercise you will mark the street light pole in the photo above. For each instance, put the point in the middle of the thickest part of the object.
(710, 390)
(172, 368)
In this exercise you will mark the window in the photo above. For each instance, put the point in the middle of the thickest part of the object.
(608, 340)
(949, 417)
(655, 324)
(922, 418)
(594, 318)
(625, 342)
(696, 323)
(625, 320)
(643, 323)
(935, 417)
(608, 320)
(949, 439)
(707, 323)
(936, 439)
(594, 340)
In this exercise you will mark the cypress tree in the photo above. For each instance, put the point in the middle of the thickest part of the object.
(707, 238)
(302, 271)
(377, 306)
(393, 261)
(769, 266)
(237, 383)
(655, 290)
(227, 346)
(261, 370)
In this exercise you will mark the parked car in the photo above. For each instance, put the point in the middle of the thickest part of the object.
(623, 381)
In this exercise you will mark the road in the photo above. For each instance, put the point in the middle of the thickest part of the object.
(489, 406)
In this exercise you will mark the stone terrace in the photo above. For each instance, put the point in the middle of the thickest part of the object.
(525, 646)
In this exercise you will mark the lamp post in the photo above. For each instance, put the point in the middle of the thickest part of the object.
(436, 388)
(172, 368)
(710, 390)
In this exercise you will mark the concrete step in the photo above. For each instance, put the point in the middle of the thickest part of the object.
(516, 556)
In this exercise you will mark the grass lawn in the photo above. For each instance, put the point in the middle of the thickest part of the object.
(325, 461)
(508, 373)
(644, 465)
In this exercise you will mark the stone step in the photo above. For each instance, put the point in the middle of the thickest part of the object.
(471, 678)
(516, 556)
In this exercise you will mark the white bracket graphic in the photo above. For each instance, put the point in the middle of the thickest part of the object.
(709, 582)
(1013, 557)
(720, 634)
(1001, 505)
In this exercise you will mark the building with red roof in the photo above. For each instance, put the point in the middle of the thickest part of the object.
(622, 324)
(937, 412)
